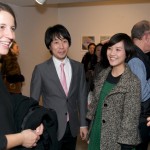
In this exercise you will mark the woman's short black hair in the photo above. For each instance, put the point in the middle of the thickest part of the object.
(58, 31)
(104, 60)
(91, 44)
(128, 43)
(99, 44)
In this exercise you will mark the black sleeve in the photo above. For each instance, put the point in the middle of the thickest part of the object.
(126, 147)
(88, 122)
(3, 142)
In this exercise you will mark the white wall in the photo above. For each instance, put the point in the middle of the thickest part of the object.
(80, 21)
(30, 32)
(100, 20)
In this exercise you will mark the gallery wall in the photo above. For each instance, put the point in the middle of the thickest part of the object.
(81, 21)
(100, 21)
(32, 24)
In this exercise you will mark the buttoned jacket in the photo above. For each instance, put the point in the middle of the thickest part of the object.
(120, 110)
(45, 82)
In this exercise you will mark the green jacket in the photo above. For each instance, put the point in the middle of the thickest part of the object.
(120, 112)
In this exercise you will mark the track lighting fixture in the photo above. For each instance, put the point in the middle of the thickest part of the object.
(41, 2)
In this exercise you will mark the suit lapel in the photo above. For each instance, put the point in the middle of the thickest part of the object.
(73, 80)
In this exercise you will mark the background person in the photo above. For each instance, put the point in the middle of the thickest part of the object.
(140, 66)
(89, 60)
(97, 50)
(102, 64)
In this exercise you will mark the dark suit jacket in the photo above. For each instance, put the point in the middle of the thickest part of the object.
(45, 82)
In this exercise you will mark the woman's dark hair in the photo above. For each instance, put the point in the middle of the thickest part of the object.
(13, 43)
(99, 44)
(104, 61)
(58, 31)
(7, 8)
(128, 43)
(91, 44)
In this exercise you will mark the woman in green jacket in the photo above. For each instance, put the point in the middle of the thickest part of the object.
(115, 105)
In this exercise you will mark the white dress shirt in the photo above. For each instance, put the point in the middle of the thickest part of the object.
(67, 69)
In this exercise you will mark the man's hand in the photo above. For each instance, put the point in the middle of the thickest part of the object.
(29, 138)
(83, 132)
(148, 123)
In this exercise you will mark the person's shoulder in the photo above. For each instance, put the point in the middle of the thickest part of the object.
(132, 76)
(135, 80)
(135, 60)
(87, 54)
(44, 63)
(75, 62)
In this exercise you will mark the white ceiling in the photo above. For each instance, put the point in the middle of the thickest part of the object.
(70, 2)
(48, 2)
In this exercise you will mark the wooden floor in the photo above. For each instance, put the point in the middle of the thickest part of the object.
(82, 145)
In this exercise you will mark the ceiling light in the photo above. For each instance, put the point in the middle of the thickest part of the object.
(41, 2)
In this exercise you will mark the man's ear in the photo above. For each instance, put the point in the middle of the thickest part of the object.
(146, 37)
(50, 51)
(49, 47)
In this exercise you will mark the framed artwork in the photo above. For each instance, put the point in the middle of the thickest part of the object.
(104, 38)
(86, 40)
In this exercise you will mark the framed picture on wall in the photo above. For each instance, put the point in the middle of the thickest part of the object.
(86, 40)
(104, 38)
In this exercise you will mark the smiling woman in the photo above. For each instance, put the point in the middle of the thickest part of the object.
(116, 91)
(9, 138)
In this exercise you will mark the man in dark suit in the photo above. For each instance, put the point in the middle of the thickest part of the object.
(70, 104)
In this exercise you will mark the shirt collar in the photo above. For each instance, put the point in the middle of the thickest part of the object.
(58, 62)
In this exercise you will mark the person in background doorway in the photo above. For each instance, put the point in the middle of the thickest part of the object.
(103, 63)
(97, 50)
(115, 103)
(61, 83)
(89, 60)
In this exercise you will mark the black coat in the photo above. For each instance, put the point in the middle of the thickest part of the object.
(29, 115)
(89, 61)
